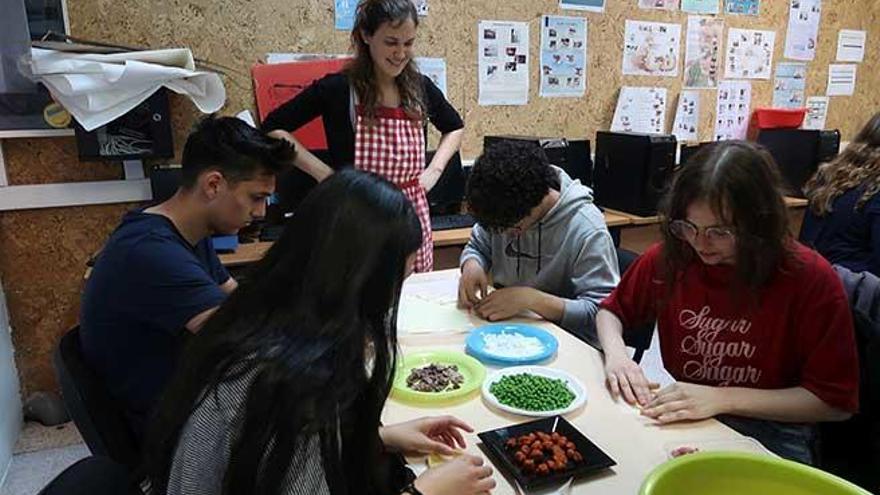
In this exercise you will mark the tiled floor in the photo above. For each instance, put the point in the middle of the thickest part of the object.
(40, 454)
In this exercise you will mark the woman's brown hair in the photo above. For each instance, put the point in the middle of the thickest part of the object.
(370, 15)
(858, 165)
(742, 185)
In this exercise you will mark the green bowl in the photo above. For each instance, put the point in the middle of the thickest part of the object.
(472, 370)
(736, 473)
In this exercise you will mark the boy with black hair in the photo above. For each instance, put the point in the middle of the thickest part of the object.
(540, 237)
(158, 274)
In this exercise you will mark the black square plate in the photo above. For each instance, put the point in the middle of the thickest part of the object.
(594, 458)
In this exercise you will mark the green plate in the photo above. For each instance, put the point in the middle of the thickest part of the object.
(473, 372)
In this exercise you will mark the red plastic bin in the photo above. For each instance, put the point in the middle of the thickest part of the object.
(775, 118)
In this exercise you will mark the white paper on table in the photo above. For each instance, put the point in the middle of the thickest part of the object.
(700, 6)
(587, 5)
(435, 69)
(659, 4)
(851, 45)
(789, 86)
(687, 116)
(98, 88)
(651, 48)
(441, 291)
(841, 79)
(418, 316)
(563, 56)
(702, 61)
(640, 110)
(732, 110)
(817, 111)
(749, 53)
(503, 62)
(803, 29)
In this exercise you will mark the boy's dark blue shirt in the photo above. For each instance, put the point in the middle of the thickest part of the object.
(147, 283)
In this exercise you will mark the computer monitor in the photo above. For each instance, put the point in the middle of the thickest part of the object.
(798, 152)
(446, 196)
(632, 170)
(689, 150)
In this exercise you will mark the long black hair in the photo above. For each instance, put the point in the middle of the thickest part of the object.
(325, 292)
(743, 186)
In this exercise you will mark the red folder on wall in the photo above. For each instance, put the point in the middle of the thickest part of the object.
(275, 84)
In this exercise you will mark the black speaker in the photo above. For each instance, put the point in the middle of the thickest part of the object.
(798, 152)
(632, 170)
(571, 155)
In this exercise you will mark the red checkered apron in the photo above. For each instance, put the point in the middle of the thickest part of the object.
(394, 147)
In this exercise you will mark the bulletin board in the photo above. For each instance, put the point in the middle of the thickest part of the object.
(237, 33)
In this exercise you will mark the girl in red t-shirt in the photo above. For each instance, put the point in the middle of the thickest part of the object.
(755, 327)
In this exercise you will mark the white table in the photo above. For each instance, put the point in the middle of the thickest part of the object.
(636, 443)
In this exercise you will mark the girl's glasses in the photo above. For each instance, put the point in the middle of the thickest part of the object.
(687, 231)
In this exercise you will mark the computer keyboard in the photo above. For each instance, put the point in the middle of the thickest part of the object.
(449, 222)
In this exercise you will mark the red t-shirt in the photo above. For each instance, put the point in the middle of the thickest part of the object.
(799, 333)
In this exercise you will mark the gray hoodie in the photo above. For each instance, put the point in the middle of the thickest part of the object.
(568, 253)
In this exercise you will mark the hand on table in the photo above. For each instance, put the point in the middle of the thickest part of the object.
(506, 303)
(624, 377)
(473, 284)
(464, 475)
(685, 401)
(428, 435)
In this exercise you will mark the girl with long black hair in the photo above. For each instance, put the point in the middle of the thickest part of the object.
(282, 390)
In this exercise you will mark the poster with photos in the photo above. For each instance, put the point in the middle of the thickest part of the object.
(789, 85)
(687, 117)
(732, 110)
(503, 62)
(803, 29)
(700, 6)
(702, 59)
(563, 56)
(651, 48)
(640, 110)
(742, 7)
(749, 54)
(659, 4)
(817, 112)
(585, 5)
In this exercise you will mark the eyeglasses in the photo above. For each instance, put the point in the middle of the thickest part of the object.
(687, 231)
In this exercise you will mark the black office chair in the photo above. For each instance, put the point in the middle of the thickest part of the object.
(99, 418)
(640, 337)
(92, 476)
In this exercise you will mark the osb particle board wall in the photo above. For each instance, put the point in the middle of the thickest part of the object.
(43, 252)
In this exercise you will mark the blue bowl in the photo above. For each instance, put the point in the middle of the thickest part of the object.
(475, 346)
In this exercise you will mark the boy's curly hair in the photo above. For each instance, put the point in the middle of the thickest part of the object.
(507, 181)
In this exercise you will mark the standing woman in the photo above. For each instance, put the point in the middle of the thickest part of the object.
(375, 112)
(843, 220)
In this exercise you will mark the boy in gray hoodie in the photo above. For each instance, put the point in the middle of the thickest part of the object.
(540, 238)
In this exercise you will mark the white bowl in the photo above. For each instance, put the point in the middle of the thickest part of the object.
(580, 392)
